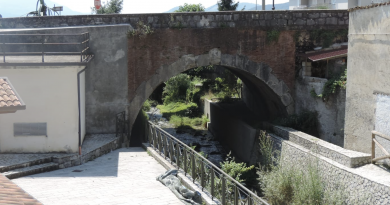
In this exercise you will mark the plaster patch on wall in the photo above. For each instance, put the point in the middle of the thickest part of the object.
(118, 55)
(382, 114)
(382, 124)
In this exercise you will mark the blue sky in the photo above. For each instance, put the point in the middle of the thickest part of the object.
(145, 6)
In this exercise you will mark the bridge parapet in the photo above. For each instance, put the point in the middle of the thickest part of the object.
(281, 20)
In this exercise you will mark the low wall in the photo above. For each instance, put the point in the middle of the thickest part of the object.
(282, 19)
(233, 133)
(365, 185)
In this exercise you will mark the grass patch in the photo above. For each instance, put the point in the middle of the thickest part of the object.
(181, 122)
(177, 108)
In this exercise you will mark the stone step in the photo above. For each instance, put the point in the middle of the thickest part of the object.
(36, 169)
(25, 164)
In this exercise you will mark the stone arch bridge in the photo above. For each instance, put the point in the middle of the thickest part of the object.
(128, 66)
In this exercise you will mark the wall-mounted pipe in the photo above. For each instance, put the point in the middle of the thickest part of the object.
(79, 106)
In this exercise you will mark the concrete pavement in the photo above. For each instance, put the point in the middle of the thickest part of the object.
(124, 176)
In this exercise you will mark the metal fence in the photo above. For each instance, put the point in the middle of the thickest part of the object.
(45, 45)
(375, 142)
(219, 184)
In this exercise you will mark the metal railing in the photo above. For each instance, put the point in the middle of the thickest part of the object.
(375, 142)
(211, 178)
(122, 124)
(11, 44)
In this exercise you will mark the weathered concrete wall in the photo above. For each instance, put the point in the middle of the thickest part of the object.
(289, 20)
(368, 73)
(106, 75)
(331, 113)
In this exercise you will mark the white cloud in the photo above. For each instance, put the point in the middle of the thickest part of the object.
(145, 6)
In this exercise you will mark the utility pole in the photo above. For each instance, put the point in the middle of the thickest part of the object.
(256, 5)
(273, 4)
(263, 5)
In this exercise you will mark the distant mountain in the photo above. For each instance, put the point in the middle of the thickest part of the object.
(20, 8)
(241, 5)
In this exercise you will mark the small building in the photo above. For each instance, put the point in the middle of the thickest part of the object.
(52, 85)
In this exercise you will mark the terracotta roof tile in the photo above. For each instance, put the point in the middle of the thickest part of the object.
(8, 96)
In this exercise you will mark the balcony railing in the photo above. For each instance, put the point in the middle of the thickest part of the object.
(17, 45)
(211, 178)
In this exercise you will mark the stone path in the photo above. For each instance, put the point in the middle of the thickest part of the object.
(124, 176)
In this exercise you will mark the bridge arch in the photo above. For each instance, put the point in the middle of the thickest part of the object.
(257, 76)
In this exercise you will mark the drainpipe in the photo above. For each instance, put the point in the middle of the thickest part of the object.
(78, 99)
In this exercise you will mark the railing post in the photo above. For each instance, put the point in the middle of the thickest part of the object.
(223, 194)
(185, 161)
(202, 175)
(171, 150)
(43, 48)
(193, 171)
(3, 49)
(372, 147)
(164, 141)
(212, 179)
(235, 194)
(159, 139)
(178, 155)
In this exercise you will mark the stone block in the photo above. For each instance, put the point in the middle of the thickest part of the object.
(282, 22)
(300, 22)
(310, 22)
(320, 21)
(236, 17)
(331, 21)
(227, 17)
(313, 15)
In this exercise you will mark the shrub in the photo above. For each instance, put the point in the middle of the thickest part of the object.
(238, 171)
(146, 106)
(175, 89)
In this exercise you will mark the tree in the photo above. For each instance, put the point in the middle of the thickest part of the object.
(191, 8)
(110, 7)
(227, 5)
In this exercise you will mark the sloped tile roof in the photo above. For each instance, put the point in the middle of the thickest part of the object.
(10, 101)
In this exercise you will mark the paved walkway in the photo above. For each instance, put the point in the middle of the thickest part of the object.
(124, 176)
(10, 193)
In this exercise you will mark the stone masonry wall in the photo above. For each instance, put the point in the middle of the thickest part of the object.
(282, 19)
(356, 188)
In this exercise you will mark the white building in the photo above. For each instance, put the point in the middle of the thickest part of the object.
(51, 122)
(51, 79)
(329, 4)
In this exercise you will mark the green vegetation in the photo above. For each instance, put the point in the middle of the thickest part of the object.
(227, 5)
(327, 37)
(239, 171)
(272, 36)
(322, 7)
(338, 81)
(288, 182)
(180, 121)
(306, 122)
(177, 108)
(141, 31)
(110, 7)
(175, 89)
(191, 8)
